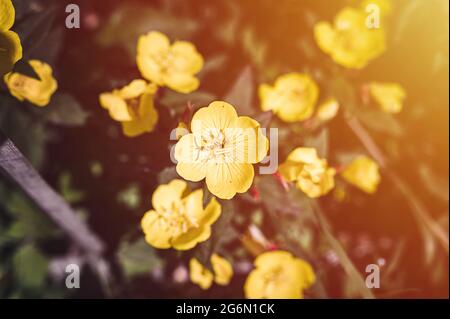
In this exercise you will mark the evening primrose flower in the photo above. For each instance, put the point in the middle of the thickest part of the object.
(349, 41)
(363, 173)
(223, 271)
(221, 148)
(292, 97)
(37, 91)
(200, 275)
(179, 220)
(133, 106)
(279, 275)
(169, 65)
(389, 96)
(310, 173)
(327, 110)
(10, 46)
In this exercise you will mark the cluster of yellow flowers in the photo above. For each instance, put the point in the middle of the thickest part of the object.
(221, 146)
(161, 63)
(37, 91)
(200, 275)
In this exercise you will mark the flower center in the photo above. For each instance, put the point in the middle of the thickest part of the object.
(133, 107)
(271, 278)
(213, 146)
(177, 219)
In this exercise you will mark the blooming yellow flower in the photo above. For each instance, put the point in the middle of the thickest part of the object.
(389, 96)
(327, 110)
(292, 97)
(221, 148)
(10, 46)
(178, 220)
(38, 92)
(349, 41)
(310, 173)
(223, 270)
(279, 275)
(133, 106)
(169, 65)
(200, 275)
(363, 173)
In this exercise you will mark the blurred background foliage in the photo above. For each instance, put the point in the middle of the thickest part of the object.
(109, 178)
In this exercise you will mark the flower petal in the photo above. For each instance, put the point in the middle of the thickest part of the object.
(10, 51)
(290, 170)
(250, 143)
(7, 15)
(133, 90)
(182, 82)
(223, 270)
(218, 115)
(166, 195)
(156, 232)
(116, 106)
(191, 238)
(199, 274)
(226, 179)
(303, 155)
(211, 213)
(190, 166)
(186, 57)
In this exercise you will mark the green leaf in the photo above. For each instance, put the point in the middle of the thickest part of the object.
(167, 174)
(178, 102)
(28, 222)
(138, 258)
(241, 93)
(379, 121)
(319, 142)
(67, 190)
(30, 267)
(34, 30)
(65, 110)
(130, 196)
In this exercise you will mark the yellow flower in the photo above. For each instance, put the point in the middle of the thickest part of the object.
(201, 276)
(222, 270)
(38, 92)
(327, 110)
(10, 46)
(310, 173)
(169, 65)
(133, 106)
(349, 41)
(178, 220)
(221, 148)
(279, 275)
(389, 96)
(363, 173)
(292, 97)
